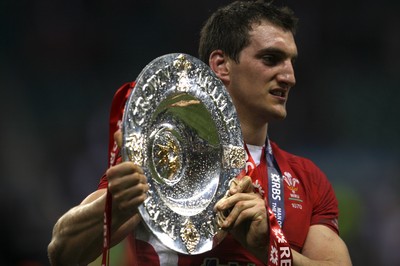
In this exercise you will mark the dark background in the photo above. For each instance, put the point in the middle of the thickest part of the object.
(62, 61)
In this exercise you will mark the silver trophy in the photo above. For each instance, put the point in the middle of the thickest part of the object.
(181, 127)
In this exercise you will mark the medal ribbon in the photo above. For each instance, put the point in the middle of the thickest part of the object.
(275, 186)
(279, 252)
(117, 110)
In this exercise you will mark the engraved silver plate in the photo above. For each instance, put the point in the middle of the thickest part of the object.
(180, 125)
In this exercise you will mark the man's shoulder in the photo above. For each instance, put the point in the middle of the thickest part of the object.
(292, 159)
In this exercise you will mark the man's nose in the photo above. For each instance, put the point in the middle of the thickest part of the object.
(286, 74)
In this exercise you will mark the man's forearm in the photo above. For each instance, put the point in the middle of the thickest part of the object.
(301, 260)
(77, 236)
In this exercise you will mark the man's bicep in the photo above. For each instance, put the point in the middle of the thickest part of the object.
(323, 244)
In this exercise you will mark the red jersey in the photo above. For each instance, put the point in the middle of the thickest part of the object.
(309, 199)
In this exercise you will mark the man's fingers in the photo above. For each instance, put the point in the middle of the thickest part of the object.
(124, 168)
(127, 185)
(243, 185)
(123, 176)
(231, 207)
(131, 197)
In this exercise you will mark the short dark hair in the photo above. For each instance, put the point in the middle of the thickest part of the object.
(228, 27)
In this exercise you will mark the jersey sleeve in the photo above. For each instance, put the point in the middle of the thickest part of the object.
(325, 204)
(115, 123)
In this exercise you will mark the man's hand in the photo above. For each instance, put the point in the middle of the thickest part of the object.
(247, 220)
(128, 187)
(127, 184)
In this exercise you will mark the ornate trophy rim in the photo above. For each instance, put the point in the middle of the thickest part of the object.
(156, 137)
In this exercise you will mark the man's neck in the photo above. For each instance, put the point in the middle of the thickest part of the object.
(254, 135)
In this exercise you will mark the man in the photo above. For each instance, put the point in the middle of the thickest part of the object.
(250, 46)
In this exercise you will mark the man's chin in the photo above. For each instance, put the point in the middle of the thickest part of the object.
(278, 116)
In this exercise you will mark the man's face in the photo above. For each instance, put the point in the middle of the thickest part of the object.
(259, 84)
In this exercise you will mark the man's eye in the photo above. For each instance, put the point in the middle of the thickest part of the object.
(269, 60)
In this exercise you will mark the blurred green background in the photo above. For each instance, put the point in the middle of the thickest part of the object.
(62, 61)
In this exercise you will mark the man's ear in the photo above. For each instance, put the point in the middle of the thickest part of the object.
(220, 65)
